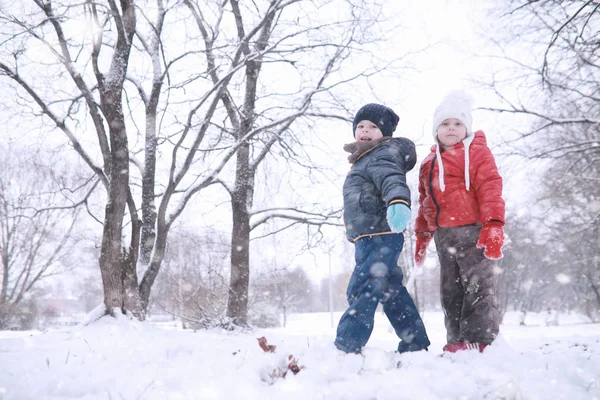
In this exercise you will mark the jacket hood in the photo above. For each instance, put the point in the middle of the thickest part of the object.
(478, 139)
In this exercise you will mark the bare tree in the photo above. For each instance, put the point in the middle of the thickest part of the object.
(44, 24)
(36, 225)
(550, 61)
(551, 70)
(572, 218)
(525, 276)
(191, 93)
(339, 285)
(285, 290)
(193, 285)
(292, 77)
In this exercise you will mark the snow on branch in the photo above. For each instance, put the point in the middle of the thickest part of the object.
(551, 119)
(295, 214)
(59, 123)
(211, 178)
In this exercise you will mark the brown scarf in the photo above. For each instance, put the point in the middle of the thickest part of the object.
(357, 149)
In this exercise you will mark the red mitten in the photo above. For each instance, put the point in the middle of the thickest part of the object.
(423, 239)
(491, 239)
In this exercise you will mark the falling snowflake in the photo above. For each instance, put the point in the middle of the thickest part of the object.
(563, 278)
(378, 270)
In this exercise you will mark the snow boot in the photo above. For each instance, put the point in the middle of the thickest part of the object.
(461, 346)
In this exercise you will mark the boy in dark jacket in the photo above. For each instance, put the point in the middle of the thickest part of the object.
(461, 208)
(376, 211)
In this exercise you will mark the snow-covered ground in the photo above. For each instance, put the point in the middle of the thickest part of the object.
(122, 360)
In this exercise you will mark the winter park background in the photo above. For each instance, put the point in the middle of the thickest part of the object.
(170, 191)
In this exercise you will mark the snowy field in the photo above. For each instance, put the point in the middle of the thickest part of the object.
(123, 360)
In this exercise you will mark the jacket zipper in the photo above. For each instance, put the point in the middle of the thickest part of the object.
(437, 206)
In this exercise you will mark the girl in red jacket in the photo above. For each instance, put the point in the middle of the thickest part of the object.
(461, 208)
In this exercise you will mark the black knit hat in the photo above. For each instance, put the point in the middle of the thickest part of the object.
(384, 117)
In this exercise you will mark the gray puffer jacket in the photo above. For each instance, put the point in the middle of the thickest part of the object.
(377, 177)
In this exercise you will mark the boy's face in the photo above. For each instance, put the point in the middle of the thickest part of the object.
(451, 131)
(367, 131)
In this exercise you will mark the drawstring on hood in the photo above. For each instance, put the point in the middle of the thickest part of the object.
(457, 104)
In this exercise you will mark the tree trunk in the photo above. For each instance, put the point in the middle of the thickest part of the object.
(148, 181)
(243, 193)
(237, 303)
(133, 301)
(157, 258)
(149, 177)
(594, 288)
(5, 258)
(112, 257)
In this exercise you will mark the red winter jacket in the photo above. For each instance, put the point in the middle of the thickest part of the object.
(457, 206)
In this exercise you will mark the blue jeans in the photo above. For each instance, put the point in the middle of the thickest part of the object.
(377, 278)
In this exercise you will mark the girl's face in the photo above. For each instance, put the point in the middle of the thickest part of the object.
(451, 131)
(367, 131)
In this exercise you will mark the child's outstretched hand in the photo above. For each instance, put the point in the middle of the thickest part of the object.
(398, 215)
(423, 239)
(491, 239)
